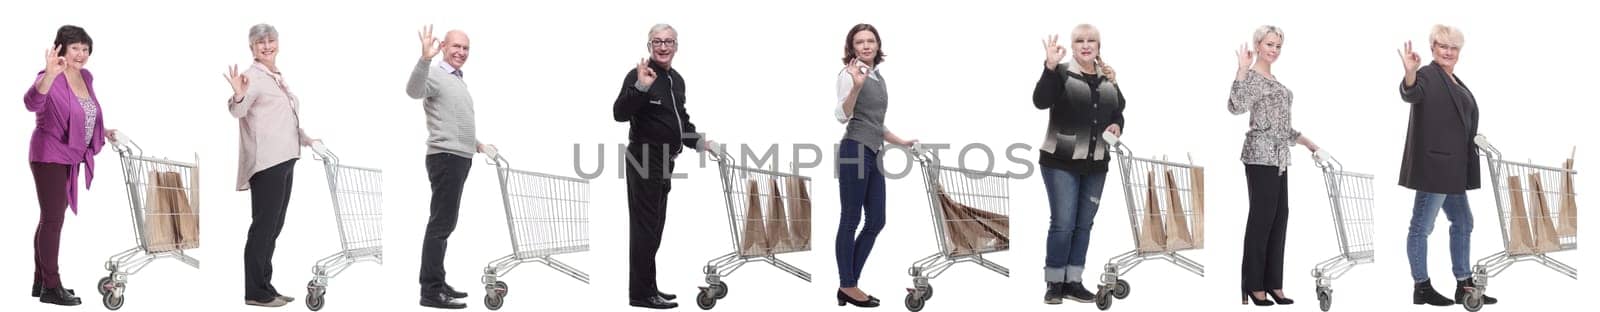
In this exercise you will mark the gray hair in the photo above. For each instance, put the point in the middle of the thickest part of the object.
(1447, 35)
(1264, 30)
(262, 31)
(660, 28)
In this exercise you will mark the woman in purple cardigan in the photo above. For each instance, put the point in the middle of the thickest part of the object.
(69, 131)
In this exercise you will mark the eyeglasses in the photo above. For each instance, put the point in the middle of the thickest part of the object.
(1449, 47)
(663, 42)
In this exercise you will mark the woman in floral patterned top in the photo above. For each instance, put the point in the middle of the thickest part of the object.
(1266, 158)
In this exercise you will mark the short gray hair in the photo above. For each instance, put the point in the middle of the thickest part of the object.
(1264, 30)
(660, 28)
(262, 31)
(1447, 34)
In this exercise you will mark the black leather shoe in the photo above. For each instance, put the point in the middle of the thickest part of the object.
(666, 296)
(442, 301)
(1279, 300)
(451, 291)
(1461, 292)
(58, 296)
(654, 302)
(1423, 293)
(871, 301)
(39, 286)
(1260, 302)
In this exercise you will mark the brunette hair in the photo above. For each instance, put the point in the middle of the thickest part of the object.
(68, 35)
(849, 46)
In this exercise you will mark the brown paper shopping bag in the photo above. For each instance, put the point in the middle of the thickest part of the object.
(1544, 231)
(1568, 225)
(1197, 177)
(1152, 235)
(956, 225)
(1178, 236)
(1520, 242)
(777, 221)
(186, 220)
(159, 231)
(996, 235)
(754, 243)
(799, 213)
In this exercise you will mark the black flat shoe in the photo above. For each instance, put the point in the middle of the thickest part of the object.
(1461, 292)
(1279, 300)
(58, 296)
(451, 291)
(1262, 302)
(1423, 293)
(441, 301)
(666, 296)
(871, 301)
(654, 302)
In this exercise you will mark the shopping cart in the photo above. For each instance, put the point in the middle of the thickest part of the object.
(1180, 189)
(358, 210)
(1509, 197)
(971, 218)
(547, 216)
(754, 236)
(1351, 198)
(137, 171)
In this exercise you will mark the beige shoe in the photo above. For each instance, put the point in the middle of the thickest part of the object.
(286, 299)
(276, 302)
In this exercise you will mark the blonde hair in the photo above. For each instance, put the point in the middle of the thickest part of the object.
(1085, 30)
(1264, 30)
(1447, 35)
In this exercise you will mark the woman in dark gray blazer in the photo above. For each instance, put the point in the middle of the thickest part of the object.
(1440, 162)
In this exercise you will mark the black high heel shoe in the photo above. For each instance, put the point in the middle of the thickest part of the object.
(871, 301)
(1258, 302)
(1279, 300)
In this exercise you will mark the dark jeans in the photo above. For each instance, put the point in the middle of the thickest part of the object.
(647, 215)
(50, 182)
(447, 173)
(269, 204)
(861, 190)
(1262, 268)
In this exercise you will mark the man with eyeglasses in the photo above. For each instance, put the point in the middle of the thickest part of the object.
(651, 102)
(1440, 162)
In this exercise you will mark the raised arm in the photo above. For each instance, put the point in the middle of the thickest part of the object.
(1409, 87)
(54, 64)
(239, 104)
(849, 89)
(635, 92)
(417, 87)
(1048, 91)
(1245, 92)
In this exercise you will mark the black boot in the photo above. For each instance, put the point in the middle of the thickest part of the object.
(1054, 291)
(38, 286)
(58, 296)
(1424, 294)
(1461, 292)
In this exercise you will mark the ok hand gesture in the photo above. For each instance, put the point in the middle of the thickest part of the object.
(1053, 52)
(54, 64)
(1409, 58)
(430, 45)
(646, 75)
(238, 81)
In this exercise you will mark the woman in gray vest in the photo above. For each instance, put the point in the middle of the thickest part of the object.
(1084, 101)
(863, 100)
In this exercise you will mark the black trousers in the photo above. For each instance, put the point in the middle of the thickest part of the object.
(448, 175)
(269, 204)
(1262, 268)
(647, 216)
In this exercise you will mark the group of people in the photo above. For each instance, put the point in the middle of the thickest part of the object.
(1079, 90)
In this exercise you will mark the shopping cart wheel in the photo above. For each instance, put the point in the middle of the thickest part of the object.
(1122, 289)
(105, 285)
(719, 290)
(112, 301)
(314, 299)
(706, 300)
(1102, 298)
(915, 302)
(493, 301)
(1324, 298)
(1474, 300)
(927, 292)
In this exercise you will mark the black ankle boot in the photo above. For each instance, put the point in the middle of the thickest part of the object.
(58, 296)
(1461, 292)
(39, 286)
(1424, 294)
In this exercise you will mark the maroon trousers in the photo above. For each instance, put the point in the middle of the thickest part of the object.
(50, 181)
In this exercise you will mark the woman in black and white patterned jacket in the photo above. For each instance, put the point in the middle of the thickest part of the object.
(1266, 159)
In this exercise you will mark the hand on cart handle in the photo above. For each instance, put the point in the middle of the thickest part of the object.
(1484, 146)
(490, 150)
(322, 151)
(121, 143)
(1325, 160)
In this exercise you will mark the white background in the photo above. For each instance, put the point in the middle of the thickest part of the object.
(544, 77)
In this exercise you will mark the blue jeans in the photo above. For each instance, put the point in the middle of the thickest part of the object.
(1074, 200)
(860, 188)
(1422, 216)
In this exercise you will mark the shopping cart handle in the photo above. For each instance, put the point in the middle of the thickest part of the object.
(122, 144)
(1111, 139)
(1483, 141)
(322, 151)
(1324, 159)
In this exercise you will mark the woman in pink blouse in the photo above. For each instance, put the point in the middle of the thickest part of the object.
(269, 143)
(69, 130)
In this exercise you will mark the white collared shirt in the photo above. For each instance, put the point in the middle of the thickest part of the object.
(845, 83)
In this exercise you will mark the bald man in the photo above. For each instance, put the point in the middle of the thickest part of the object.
(452, 141)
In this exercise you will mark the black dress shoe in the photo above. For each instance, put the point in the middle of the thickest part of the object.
(38, 285)
(1279, 300)
(1262, 302)
(442, 301)
(1423, 293)
(58, 296)
(666, 296)
(654, 302)
(871, 301)
(1461, 292)
(451, 291)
